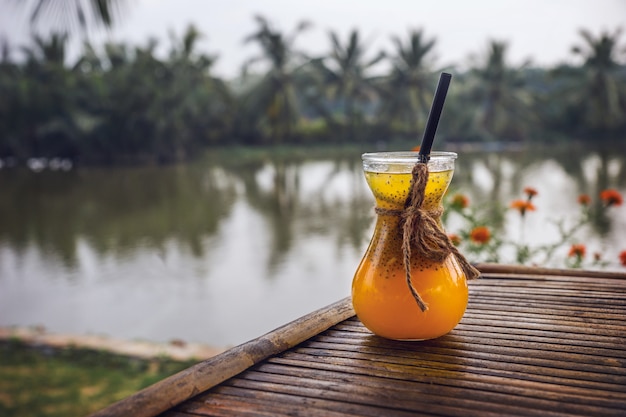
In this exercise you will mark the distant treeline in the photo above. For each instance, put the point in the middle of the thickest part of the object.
(127, 104)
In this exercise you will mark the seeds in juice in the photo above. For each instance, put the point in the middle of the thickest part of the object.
(380, 294)
(392, 189)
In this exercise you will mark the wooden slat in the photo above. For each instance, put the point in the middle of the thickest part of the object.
(345, 383)
(393, 368)
(502, 271)
(505, 339)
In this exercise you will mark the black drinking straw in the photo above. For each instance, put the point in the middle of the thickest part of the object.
(433, 117)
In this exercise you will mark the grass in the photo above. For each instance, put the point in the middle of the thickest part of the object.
(44, 382)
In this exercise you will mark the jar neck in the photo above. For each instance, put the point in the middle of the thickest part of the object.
(433, 203)
(390, 217)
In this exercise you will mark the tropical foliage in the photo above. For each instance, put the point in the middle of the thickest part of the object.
(270, 105)
(406, 92)
(603, 93)
(503, 99)
(345, 83)
(119, 103)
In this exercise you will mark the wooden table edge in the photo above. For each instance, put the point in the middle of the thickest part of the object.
(504, 270)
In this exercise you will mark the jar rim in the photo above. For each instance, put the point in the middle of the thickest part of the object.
(405, 157)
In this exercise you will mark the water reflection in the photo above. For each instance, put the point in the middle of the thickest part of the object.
(305, 199)
(115, 210)
(231, 247)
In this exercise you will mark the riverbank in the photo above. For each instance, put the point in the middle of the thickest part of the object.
(45, 375)
(177, 350)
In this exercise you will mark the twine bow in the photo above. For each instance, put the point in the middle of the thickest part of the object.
(421, 233)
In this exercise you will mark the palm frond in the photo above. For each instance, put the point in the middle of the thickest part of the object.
(70, 14)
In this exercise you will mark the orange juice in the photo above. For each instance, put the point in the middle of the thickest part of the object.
(380, 293)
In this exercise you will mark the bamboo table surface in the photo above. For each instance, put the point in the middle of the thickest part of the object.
(540, 342)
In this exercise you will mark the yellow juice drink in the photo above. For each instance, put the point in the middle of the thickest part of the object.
(380, 293)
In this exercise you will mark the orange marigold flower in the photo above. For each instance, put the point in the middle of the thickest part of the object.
(460, 201)
(530, 192)
(611, 197)
(577, 250)
(455, 239)
(523, 206)
(480, 234)
(584, 200)
(622, 257)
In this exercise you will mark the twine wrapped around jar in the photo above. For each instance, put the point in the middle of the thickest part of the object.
(421, 233)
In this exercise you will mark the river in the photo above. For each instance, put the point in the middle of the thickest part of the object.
(223, 250)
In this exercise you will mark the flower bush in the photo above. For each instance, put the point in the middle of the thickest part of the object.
(482, 231)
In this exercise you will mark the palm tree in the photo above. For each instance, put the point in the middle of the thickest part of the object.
(45, 123)
(204, 107)
(47, 51)
(270, 105)
(603, 97)
(504, 102)
(346, 80)
(71, 13)
(406, 95)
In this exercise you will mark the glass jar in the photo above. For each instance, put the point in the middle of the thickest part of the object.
(381, 295)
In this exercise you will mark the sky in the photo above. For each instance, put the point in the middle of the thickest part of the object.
(543, 31)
